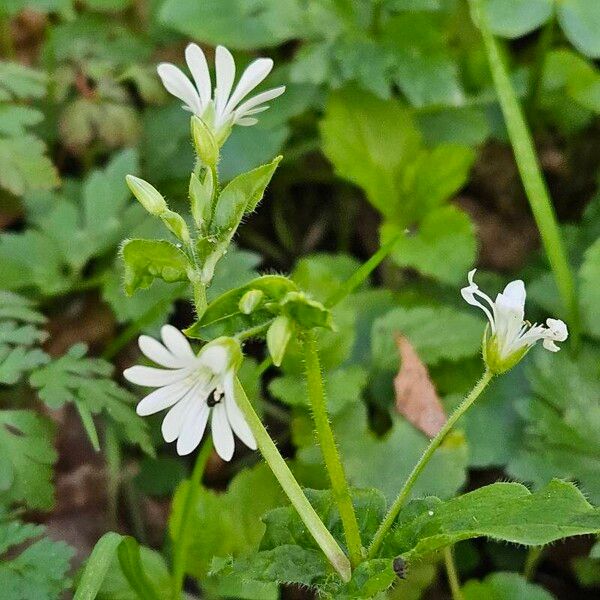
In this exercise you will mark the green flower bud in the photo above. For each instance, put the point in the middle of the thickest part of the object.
(176, 224)
(201, 195)
(147, 195)
(250, 301)
(205, 143)
(278, 338)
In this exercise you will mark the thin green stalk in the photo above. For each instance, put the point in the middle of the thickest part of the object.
(362, 273)
(112, 455)
(200, 301)
(181, 539)
(534, 556)
(292, 489)
(452, 574)
(531, 173)
(434, 444)
(333, 462)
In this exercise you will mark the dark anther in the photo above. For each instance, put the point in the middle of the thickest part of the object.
(212, 400)
(399, 566)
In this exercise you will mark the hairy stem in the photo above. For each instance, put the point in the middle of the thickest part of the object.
(534, 556)
(531, 174)
(452, 574)
(434, 444)
(181, 539)
(333, 463)
(292, 489)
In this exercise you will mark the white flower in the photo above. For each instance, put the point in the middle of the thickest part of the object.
(511, 336)
(224, 108)
(192, 387)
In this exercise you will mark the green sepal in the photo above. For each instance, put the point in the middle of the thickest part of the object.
(207, 147)
(278, 337)
(224, 317)
(147, 260)
(201, 197)
(493, 358)
(306, 312)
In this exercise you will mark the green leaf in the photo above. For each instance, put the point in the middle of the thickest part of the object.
(442, 246)
(130, 560)
(26, 459)
(24, 166)
(580, 20)
(97, 566)
(86, 382)
(147, 260)
(515, 18)
(369, 140)
(14, 119)
(18, 82)
(435, 333)
(499, 586)
(20, 336)
(224, 524)
(39, 570)
(224, 317)
(502, 511)
(234, 23)
(590, 289)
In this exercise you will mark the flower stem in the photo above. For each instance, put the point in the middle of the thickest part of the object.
(534, 555)
(452, 574)
(181, 539)
(333, 463)
(434, 444)
(292, 489)
(200, 302)
(530, 171)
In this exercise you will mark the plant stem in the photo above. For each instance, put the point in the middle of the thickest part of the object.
(333, 462)
(534, 555)
(200, 301)
(292, 489)
(531, 174)
(181, 539)
(112, 454)
(452, 574)
(361, 274)
(434, 444)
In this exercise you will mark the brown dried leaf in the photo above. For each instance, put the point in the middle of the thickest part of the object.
(416, 397)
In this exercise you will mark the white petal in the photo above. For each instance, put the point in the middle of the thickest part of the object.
(225, 67)
(215, 358)
(162, 398)
(255, 111)
(259, 99)
(193, 428)
(236, 418)
(176, 342)
(550, 345)
(513, 296)
(468, 293)
(156, 352)
(175, 419)
(198, 67)
(221, 432)
(176, 83)
(558, 329)
(246, 121)
(152, 377)
(251, 77)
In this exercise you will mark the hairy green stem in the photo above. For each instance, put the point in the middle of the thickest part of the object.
(333, 462)
(531, 173)
(292, 489)
(434, 444)
(452, 574)
(534, 556)
(181, 539)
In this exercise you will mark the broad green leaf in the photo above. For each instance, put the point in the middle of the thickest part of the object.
(20, 336)
(18, 82)
(14, 119)
(369, 140)
(24, 165)
(435, 333)
(590, 289)
(234, 23)
(224, 524)
(131, 564)
(502, 511)
(515, 18)
(86, 382)
(39, 570)
(97, 566)
(147, 260)
(501, 586)
(442, 246)
(562, 422)
(580, 20)
(26, 459)
(224, 317)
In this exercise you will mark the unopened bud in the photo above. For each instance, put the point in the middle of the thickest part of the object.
(205, 143)
(250, 301)
(147, 195)
(278, 338)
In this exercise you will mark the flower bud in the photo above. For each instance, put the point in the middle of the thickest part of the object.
(250, 301)
(205, 143)
(176, 224)
(201, 195)
(147, 195)
(278, 337)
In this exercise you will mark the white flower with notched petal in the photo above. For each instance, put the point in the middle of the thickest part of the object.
(224, 108)
(511, 336)
(193, 387)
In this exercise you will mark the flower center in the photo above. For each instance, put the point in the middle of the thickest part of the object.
(215, 397)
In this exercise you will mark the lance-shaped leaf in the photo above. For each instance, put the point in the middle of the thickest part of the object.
(147, 260)
(224, 316)
(502, 511)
